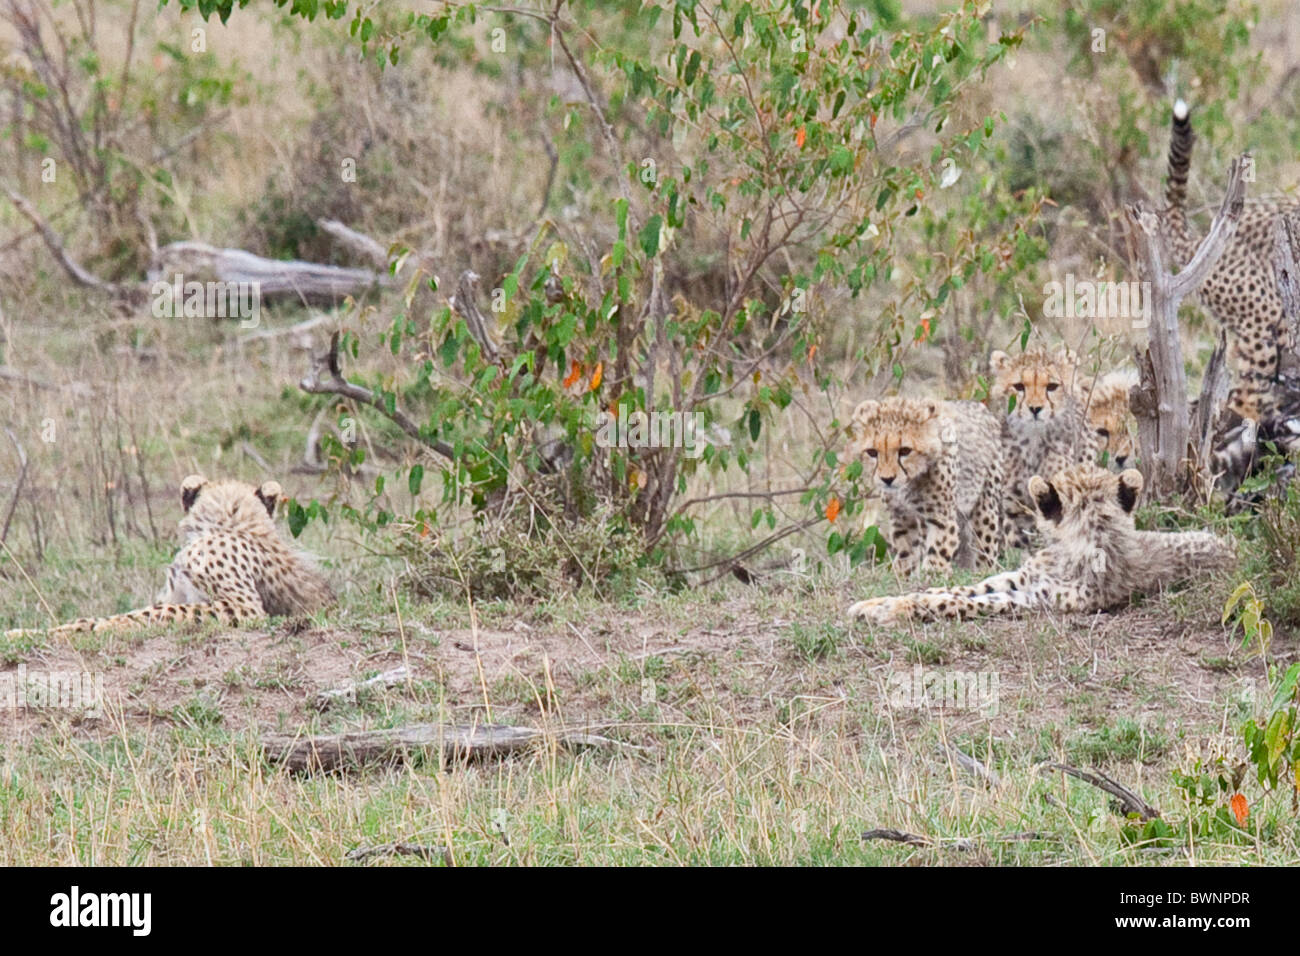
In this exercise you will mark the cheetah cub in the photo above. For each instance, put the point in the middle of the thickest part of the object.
(1044, 431)
(232, 568)
(1107, 402)
(938, 466)
(1095, 559)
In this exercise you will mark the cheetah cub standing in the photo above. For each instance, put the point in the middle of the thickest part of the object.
(1094, 558)
(1044, 431)
(232, 568)
(938, 466)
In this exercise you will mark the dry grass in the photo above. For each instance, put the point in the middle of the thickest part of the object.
(766, 720)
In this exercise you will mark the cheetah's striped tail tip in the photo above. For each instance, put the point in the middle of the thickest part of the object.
(1180, 110)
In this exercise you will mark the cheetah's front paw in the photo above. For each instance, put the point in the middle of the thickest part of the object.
(881, 611)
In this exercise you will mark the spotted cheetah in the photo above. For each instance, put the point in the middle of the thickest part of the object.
(939, 469)
(1241, 290)
(1094, 559)
(1044, 431)
(233, 567)
(1106, 401)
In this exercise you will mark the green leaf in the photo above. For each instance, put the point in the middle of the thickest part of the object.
(1277, 735)
(649, 236)
(415, 479)
(297, 518)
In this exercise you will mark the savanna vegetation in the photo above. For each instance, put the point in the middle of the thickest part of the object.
(749, 215)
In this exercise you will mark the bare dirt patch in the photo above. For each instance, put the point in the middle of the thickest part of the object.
(733, 657)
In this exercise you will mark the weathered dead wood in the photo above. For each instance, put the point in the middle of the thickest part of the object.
(191, 261)
(326, 378)
(1208, 415)
(1129, 800)
(1162, 403)
(963, 844)
(1286, 266)
(451, 741)
(363, 853)
(465, 303)
(970, 765)
(309, 282)
(348, 692)
(361, 245)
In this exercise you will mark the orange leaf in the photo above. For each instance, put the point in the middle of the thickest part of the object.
(833, 510)
(1240, 810)
(800, 135)
(920, 193)
(574, 372)
(874, 117)
(925, 330)
(812, 350)
(596, 376)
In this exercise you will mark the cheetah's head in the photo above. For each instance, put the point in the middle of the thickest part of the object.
(1034, 385)
(224, 501)
(1084, 500)
(897, 440)
(1109, 414)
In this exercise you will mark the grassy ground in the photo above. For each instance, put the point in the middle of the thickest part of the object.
(765, 726)
(759, 725)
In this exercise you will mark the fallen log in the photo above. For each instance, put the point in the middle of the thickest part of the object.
(182, 262)
(452, 742)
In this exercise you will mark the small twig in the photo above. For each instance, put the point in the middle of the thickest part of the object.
(363, 853)
(465, 303)
(970, 764)
(306, 325)
(252, 453)
(347, 694)
(18, 486)
(325, 378)
(963, 844)
(1130, 801)
(735, 559)
(79, 273)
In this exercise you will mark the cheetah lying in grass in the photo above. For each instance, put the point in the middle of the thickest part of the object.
(232, 568)
(1094, 558)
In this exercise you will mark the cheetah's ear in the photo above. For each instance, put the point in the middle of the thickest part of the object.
(190, 489)
(866, 411)
(931, 409)
(269, 494)
(1045, 498)
(1130, 484)
(998, 361)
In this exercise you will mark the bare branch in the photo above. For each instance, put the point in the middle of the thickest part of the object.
(360, 244)
(325, 378)
(79, 273)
